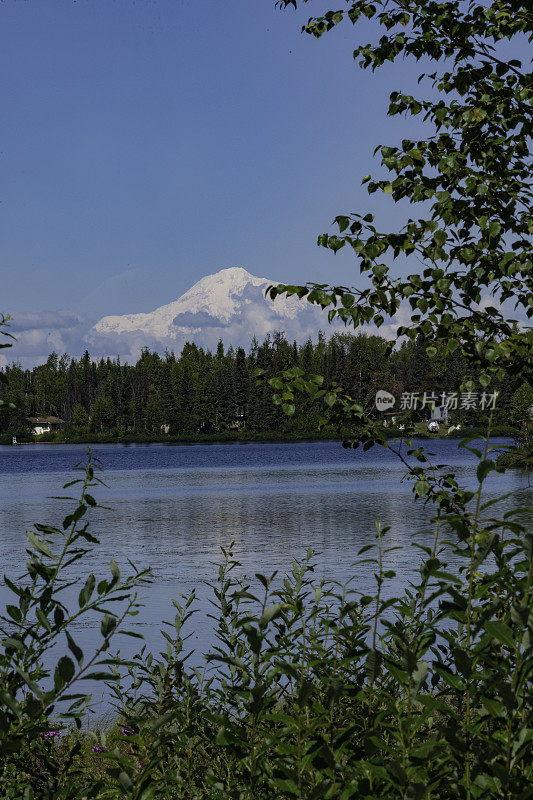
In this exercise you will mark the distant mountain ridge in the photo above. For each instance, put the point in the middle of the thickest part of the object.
(229, 304)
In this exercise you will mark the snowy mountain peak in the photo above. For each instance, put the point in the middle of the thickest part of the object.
(213, 298)
(229, 277)
(218, 294)
(229, 304)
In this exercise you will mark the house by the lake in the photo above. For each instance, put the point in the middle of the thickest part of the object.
(40, 425)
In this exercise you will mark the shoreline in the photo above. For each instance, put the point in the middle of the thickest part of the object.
(253, 438)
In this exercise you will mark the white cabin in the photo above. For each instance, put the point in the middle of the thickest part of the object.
(40, 425)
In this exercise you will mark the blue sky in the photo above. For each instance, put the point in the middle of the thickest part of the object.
(147, 144)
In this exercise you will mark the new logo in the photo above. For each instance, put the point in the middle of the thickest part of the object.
(384, 400)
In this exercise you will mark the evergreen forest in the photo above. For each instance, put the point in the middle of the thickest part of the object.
(201, 393)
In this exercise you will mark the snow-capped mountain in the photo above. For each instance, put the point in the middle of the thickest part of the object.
(228, 305)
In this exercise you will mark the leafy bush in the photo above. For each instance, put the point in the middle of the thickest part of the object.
(520, 457)
(36, 700)
(49, 436)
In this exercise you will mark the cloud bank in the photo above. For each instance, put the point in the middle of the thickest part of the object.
(38, 334)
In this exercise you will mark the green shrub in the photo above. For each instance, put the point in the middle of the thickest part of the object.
(36, 700)
(49, 436)
(520, 457)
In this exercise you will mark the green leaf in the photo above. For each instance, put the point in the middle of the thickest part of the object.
(38, 544)
(10, 642)
(286, 786)
(11, 702)
(107, 625)
(74, 649)
(502, 632)
(101, 675)
(14, 612)
(494, 707)
(271, 612)
(43, 619)
(86, 592)
(125, 781)
(421, 487)
(254, 638)
(164, 719)
(115, 572)
(483, 469)
(347, 300)
(373, 665)
(418, 676)
(494, 228)
(343, 223)
(335, 243)
(225, 737)
(65, 668)
(71, 519)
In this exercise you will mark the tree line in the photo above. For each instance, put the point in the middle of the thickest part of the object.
(210, 392)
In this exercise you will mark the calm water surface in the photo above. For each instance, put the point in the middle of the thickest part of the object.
(174, 507)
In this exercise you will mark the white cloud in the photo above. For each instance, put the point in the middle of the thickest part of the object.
(38, 334)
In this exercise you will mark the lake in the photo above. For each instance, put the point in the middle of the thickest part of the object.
(174, 507)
